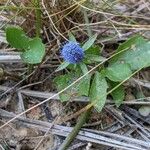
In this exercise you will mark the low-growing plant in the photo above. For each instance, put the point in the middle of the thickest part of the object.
(133, 55)
(130, 57)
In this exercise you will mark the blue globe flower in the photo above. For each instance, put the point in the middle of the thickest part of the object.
(72, 52)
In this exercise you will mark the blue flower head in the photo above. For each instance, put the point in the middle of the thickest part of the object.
(72, 52)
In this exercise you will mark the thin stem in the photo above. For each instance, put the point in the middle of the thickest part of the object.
(83, 118)
(30, 68)
(87, 22)
(38, 17)
(18, 8)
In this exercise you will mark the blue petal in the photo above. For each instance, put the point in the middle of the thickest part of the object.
(72, 52)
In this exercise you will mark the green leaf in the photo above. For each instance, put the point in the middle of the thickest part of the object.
(65, 96)
(16, 37)
(118, 72)
(79, 89)
(35, 52)
(72, 67)
(71, 37)
(118, 94)
(83, 86)
(92, 55)
(83, 68)
(63, 66)
(93, 50)
(127, 44)
(136, 54)
(62, 82)
(90, 42)
(98, 91)
(95, 58)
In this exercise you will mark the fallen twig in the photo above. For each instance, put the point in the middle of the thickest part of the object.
(105, 138)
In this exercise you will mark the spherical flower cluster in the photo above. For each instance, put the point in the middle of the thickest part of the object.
(72, 52)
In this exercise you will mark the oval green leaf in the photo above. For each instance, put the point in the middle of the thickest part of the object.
(117, 94)
(35, 52)
(63, 66)
(136, 54)
(98, 91)
(118, 72)
(89, 43)
(71, 37)
(16, 37)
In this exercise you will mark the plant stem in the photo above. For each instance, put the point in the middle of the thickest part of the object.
(87, 22)
(83, 118)
(38, 17)
(17, 8)
(30, 68)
